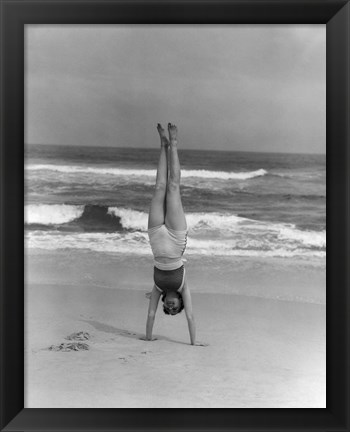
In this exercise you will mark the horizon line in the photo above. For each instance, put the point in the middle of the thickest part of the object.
(182, 149)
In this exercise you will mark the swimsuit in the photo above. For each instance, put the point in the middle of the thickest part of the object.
(168, 243)
(169, 280)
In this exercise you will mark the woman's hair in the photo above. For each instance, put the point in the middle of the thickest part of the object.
(165, 310)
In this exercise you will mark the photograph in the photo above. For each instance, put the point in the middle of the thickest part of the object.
(175, 216)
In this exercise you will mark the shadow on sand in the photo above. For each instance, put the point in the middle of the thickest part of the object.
(125, 333)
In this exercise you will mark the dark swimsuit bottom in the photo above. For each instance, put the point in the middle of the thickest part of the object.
(169, 280)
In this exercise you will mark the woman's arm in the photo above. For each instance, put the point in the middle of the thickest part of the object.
(186, 297)
(152, 309)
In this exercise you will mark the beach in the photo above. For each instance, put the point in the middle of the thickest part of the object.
(266, 349)
(255, 266)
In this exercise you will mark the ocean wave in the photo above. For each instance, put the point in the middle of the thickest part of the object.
(95, 217)
(130, 219)
(299, 175)
(55, 214)
(232, 233)
(75, 169)
(51, 214)
(249, 228)
(137, 243)
(223, 175)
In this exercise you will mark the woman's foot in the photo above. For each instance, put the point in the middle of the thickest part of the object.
(172, 133)
(163, 139)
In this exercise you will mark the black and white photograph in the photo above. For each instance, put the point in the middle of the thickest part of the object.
(175, 216)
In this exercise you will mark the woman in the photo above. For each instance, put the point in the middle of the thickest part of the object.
(167, 230)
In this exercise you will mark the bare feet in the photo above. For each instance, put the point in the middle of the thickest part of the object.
(163, 139)
(172, 133)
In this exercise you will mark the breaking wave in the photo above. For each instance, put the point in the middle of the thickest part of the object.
(114, 229)
(76, 169)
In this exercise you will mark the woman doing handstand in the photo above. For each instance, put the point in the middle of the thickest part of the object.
(167, 230)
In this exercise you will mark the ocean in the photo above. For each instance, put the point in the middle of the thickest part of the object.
(236, 203)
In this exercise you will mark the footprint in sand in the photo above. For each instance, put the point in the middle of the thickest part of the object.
(75, 345)
(131, 357)
(70, 346)
(127, 358)
(125, 332)
(79, 336)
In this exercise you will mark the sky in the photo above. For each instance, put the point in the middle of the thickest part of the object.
(227, 87)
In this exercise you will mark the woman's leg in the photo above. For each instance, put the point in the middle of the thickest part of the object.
(157, 210)
(175, 216)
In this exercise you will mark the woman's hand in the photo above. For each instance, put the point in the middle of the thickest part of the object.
(144, 338)
(200, 344)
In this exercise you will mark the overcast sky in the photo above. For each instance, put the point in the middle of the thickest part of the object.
(250, 88)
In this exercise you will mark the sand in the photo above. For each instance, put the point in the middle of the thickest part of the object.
(265, 350)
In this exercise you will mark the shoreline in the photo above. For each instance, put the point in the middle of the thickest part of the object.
(289, 279)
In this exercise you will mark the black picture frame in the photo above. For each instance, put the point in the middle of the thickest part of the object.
(14, 16)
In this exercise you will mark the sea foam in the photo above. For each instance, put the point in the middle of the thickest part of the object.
(76, 169)
(130, 219)
(51, 214)
(240, 229)
(209, 233)
(136, 243)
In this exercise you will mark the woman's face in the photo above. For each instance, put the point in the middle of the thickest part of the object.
(172, 304)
